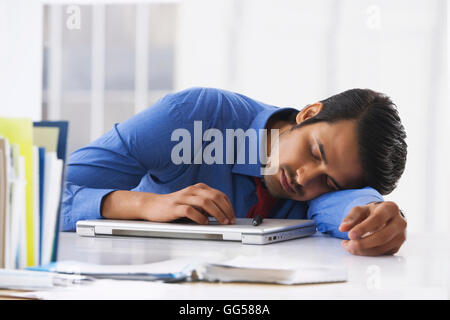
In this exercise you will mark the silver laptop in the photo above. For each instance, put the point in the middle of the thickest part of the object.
(269, 231)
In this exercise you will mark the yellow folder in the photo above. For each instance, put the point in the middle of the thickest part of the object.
(20, 132)
(46, 137)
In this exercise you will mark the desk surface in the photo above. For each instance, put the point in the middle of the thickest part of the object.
(420, 270)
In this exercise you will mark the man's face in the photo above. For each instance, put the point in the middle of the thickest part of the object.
(315, 159)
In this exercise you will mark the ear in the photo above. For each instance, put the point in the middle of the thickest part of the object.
(308, 112)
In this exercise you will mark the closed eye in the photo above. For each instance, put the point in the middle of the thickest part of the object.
(314, 156)
(330, 184)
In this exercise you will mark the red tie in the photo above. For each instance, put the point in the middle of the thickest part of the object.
(265, 201)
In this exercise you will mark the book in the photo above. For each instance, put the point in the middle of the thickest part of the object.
(27, 240)
(46, 137)
(52, 195)
(239, 269)
(13, 214)
(35, 280)
(63, 131)
(19, 212)
(61, 150)
(259, 270)
(3, 198)
(41, 196)
(36, 205)
(19, 131)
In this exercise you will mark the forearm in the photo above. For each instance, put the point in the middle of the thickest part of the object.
(330, 209)
(123, 204)
(195, 202)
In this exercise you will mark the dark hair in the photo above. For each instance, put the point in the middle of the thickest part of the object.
(381, 136)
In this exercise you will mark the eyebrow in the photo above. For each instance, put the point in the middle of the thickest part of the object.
(324, 157)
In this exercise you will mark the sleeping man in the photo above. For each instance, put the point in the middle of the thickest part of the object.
(208, 152)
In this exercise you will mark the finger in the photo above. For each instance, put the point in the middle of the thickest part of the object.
(380, 216)
(192, 214)
(389, 248)
(379, 238)
(207, 206)
(355, 216)
(221, 200)
(204, 191)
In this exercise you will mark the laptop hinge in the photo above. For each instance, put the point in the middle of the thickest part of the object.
(86, 231)
(233, 236)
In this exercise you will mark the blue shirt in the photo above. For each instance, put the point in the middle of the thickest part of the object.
(136, 155)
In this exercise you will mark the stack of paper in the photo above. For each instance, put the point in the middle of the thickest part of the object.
(262, 270)
(239, 269)
(31, 175)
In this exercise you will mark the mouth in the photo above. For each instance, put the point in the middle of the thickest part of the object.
(285, 183)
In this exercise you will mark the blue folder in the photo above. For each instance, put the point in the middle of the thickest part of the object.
(62, 137)
(41, 194)
(61, 154)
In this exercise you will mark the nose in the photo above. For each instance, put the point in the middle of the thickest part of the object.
(306, 174)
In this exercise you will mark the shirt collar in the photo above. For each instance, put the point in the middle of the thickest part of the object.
(259, 122)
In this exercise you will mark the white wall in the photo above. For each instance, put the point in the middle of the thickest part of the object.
(21, 58)
(201, 46)
(291, 53)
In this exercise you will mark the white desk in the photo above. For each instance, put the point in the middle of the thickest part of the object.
(421, 269)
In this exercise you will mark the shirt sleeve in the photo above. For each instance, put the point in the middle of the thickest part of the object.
(328, 210)
(81, 203)
(119, 159)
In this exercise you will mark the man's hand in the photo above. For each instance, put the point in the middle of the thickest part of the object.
(374, 229)
(196, 202)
